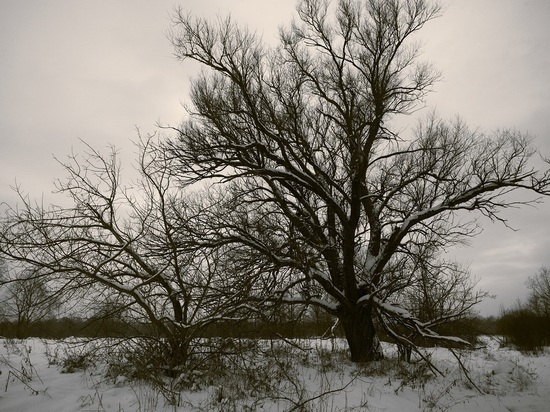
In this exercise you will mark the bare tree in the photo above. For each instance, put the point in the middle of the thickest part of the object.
(437, 292)
(28, 299)
(314, 186)
(126, 242)
(539, 297)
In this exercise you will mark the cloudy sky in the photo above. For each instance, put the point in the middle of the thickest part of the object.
(96, 70)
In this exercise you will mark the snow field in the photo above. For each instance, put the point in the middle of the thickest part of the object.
(304, 375)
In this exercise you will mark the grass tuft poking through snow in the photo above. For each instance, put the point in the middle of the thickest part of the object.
(256, 375)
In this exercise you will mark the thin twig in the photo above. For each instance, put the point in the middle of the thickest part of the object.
(465, 370)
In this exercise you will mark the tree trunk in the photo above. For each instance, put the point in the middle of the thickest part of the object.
(361, 335)
(178, 352)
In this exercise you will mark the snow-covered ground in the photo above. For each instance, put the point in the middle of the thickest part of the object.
(317, 377)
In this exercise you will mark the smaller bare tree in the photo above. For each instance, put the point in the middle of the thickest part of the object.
(28, 299)
(131, 244)
(539, 298)
(436, 292)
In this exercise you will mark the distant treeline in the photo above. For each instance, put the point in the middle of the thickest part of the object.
(525, 329)
(519, 327)
(60, 328)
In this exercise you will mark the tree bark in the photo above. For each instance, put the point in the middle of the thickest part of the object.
(360, 333)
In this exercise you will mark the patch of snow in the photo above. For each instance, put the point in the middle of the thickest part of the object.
(504, 367)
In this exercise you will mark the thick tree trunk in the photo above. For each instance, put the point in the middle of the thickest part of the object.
(361, 335)
(177, 354)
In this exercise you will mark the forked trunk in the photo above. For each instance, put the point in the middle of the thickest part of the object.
(361, 335)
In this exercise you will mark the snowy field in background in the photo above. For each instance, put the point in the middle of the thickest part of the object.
(321, 380)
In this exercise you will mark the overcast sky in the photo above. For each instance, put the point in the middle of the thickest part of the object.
(96, 70)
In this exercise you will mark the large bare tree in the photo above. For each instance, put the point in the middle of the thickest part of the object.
(313, 183)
